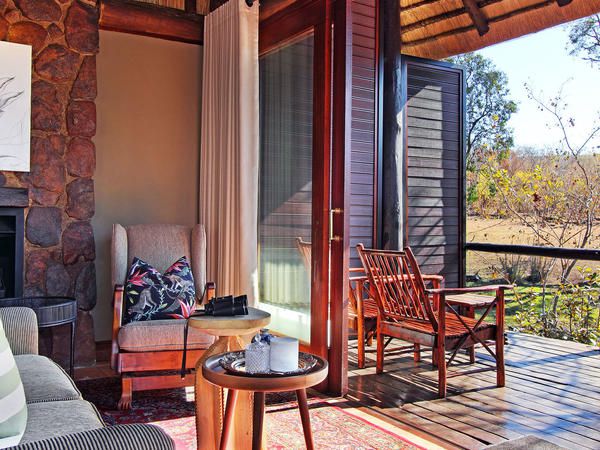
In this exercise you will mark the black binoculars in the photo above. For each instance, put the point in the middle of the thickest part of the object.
(227, 306)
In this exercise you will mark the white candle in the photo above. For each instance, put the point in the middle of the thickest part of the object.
(284, 354)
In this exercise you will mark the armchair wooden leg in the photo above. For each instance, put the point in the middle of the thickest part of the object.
(380, 349)
(433, 358)
(370, 338)
(361, 340)
(417, 353)
(126, 393)
(440, 351)
(441, 365)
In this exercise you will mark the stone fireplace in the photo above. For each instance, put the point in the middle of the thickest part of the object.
(13, 202)
(58, 241)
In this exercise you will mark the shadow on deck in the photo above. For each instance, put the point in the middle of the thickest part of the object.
(552, 391)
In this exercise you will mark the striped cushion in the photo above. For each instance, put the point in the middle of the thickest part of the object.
(122, 437)
(13, 409)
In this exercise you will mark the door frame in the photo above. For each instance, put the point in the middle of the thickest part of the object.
(284, 26)
(331, 161)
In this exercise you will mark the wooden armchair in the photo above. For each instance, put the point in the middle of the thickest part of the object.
(362, 298)
(362, 314)
(148, 354)
(409, 311)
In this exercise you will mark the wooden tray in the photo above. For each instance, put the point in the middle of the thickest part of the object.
(235, 364)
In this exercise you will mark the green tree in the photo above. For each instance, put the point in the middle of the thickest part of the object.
(489, 109)
(584, 39)
(558, 199)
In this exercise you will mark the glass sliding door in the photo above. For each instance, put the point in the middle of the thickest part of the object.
(285, 186)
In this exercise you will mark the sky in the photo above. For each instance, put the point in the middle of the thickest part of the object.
(542, 60)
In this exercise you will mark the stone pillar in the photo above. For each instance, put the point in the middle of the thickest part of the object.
(59, 244)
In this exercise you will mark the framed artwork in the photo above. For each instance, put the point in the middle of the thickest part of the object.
(15, 106)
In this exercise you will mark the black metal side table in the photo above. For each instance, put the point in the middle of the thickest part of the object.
(51, 312)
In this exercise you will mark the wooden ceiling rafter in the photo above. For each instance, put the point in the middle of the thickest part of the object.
(477, 16)
(417, 5)
(150, 20)
(491, 20)
(407, 28)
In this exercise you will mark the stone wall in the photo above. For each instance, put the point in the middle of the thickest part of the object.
(59, 245)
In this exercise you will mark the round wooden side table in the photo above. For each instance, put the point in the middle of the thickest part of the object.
(214, 373)
(51, 312)
(209, 398)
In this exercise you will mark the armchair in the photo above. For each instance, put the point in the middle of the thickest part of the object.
(413, 313)
(148, 354)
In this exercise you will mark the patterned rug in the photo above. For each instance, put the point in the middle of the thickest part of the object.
(335, 426)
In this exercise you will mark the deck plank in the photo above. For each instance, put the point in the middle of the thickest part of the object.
(552, 391)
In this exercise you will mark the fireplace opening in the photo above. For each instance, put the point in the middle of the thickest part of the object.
(11, 252)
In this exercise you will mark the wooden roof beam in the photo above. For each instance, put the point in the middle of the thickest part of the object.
(465, 29)
(477, 16)
(150, 20)
(407, 28)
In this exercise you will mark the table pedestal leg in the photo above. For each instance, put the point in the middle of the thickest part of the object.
(209, 404)
(242, 417)
(305, 416)
(259, 417)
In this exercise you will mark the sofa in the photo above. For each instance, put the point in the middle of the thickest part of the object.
(57, 415)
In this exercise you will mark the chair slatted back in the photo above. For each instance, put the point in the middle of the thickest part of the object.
(305, 250)
(399, 286)
(357, 289)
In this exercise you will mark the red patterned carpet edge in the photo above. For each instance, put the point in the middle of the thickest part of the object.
(335, 424)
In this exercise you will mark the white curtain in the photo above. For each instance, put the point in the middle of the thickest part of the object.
(230, 147)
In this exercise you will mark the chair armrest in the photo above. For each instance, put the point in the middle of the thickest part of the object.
(433, 277)
(207, 295)
(436, 280)
(469, 290)
(356, 269)
(210, 290)
(122, 437)
(20, 326)
(117, 315)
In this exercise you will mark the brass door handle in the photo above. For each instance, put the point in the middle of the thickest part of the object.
(333, 211)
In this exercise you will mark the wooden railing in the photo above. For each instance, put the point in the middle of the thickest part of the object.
(533, 250)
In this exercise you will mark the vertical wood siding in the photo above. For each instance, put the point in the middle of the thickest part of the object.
(364, 62)
(434, 146)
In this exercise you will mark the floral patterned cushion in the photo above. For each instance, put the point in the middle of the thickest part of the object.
(151, 295)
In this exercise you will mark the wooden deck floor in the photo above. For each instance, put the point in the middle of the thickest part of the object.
(552, 391)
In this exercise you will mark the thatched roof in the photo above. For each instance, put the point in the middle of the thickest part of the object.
(440, 28)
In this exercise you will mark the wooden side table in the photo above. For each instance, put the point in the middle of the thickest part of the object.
(209, 398)
(214, 373)
(470, 303)
(51, 312)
